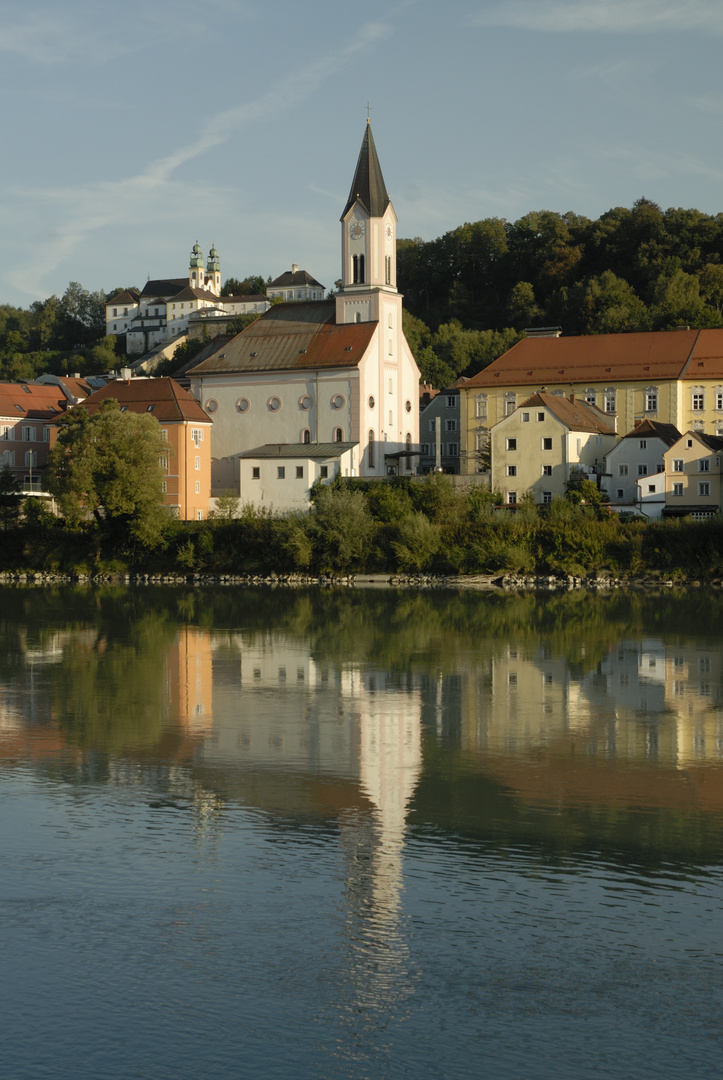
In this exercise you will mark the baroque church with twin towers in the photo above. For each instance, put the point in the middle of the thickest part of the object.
(317, 388)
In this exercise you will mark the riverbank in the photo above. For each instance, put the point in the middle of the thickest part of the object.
(472, 582)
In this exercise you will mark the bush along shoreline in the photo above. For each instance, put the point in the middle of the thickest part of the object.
(404, 531)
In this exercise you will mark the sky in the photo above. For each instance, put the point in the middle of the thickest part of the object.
(129, 131)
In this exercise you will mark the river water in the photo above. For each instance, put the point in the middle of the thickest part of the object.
(360, 834)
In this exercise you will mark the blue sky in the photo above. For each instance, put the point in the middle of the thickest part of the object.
(129, 130)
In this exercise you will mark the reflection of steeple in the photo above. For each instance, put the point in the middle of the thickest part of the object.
(390, 764)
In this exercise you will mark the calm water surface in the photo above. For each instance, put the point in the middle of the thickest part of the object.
(359, 835)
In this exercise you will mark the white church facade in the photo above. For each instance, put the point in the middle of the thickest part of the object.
(309, 375)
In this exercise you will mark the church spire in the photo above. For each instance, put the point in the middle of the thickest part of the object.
(368, 185)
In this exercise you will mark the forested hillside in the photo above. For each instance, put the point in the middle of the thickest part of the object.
(472, 291)
(469, 294)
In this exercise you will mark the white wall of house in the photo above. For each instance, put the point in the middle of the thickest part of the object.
(284, 483)
(631, 460)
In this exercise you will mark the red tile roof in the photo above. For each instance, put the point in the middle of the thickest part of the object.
(576, 415)
(31, 401)
(292, 337)
(169, 401)
(601, 358)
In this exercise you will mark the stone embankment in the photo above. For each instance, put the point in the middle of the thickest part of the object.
(480, 582)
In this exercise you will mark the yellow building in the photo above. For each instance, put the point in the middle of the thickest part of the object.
(693, 475)
(535, 448)
(675, 377)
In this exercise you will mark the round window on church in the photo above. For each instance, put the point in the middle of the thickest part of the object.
(305, 402)
(372, 402)
(338, 401)
(243, 404)
(211, 405)
(408, 406)
(274, 403)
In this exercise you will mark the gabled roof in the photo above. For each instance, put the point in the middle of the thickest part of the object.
(299, 450)
(127, 296)
(651, 429)
(190, 293)
(713, 442)
(169, 400)
(575, 414)
(164, 286)
(368, 185)
(596, 358)
(294, 277)
(291, 337)
(31, 401)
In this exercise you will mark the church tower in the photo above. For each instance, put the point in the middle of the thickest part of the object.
(368, 241)
(213, 272)
(195, 267)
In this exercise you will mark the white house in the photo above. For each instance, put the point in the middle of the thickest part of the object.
(638, 454)
(325, 371)
(295, 285)
(280, 477)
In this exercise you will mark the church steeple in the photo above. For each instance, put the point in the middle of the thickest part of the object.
(368, 229)
(368, 185)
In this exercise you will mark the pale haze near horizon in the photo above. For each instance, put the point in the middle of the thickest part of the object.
(131, 131)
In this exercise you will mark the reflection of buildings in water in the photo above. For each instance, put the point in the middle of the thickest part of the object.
(189, 679)
(644, 700)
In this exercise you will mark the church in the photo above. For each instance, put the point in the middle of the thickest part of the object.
(319, 388)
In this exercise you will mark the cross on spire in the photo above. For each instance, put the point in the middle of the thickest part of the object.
(369, 109)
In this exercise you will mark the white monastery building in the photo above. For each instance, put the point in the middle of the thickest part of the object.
(312, 373)
(161, 312)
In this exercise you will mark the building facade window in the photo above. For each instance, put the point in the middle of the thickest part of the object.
(511, 498)
(703, 488)
(547, 470)
(704, 464)
(370, 452)
(480, 406)
(510, 444)
(280, 472)
(697, 401)
(357, 264)
(512, 470)
(387, 269)
(547, 444)
(338, 435)
(255, 472)
(299, 472)
(450, 425)
(678, 465)
(510, 404)
(546, 498)
(198, 462)
(642, 470)
(198, 487)
(651, 400)
(622, 470)
(610, 401)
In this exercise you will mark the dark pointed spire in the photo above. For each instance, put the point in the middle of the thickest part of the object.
(368, 186)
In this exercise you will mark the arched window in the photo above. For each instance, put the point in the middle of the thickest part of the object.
(357, 316)
(480, 405)
(357, 262)
(370, 456)
(388, 269)
(338, 435)
(306, 436)
(408, 444)
(391, 347)
(391, 419)
(391, 386)
(389, 320)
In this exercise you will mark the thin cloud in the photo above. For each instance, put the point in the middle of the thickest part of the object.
(609, 16)
(87, 209)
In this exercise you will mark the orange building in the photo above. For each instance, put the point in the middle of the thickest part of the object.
(186, 428)
(26, 411)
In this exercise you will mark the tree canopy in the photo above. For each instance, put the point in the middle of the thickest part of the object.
(107, 465)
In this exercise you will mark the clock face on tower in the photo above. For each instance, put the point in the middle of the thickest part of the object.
(357, 230)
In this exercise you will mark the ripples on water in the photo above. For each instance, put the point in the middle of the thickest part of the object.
(248, 855)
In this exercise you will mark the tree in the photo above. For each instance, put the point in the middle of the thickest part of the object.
(106, 465)
(253, 285)
(10, 498)
(81, 317)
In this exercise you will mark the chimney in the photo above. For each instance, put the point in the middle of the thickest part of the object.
(126, 374)
(294, 268)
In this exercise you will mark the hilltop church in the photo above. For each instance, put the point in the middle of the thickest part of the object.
(319, 388)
